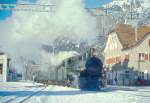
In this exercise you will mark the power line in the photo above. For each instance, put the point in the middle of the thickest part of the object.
(27, 7)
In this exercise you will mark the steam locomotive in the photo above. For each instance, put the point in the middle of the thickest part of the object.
(91, 77)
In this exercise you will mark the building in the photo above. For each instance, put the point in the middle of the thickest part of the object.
(73, 64)
(127, 54)
(34, 72)
(4, 61)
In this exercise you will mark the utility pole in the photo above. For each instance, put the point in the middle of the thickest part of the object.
(139, 65)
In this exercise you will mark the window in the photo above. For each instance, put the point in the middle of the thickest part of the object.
(144, 57)
(141, 57)
(127, 57)
(1, 68)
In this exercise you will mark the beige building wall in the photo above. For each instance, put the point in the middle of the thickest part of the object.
(114, 48)
(143, 47)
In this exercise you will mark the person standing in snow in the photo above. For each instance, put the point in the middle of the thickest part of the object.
(116, 80)
(34, 76)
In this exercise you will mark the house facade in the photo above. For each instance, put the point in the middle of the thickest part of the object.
(127, 55)
(3, 67)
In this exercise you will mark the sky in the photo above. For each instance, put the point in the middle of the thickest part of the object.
(20, 29)
(4, 14)
(95, 3)
(89, 4)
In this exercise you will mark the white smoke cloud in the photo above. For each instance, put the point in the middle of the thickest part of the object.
(56, 59)
(24, 32)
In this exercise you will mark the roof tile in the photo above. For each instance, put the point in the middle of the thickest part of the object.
(126, 34)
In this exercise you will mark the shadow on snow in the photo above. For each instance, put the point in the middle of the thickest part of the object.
(63, 93)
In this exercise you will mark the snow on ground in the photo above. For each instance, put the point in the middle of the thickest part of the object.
(13, 92)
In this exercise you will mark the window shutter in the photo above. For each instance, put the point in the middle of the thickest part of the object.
(146, 57)
(149, 57)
